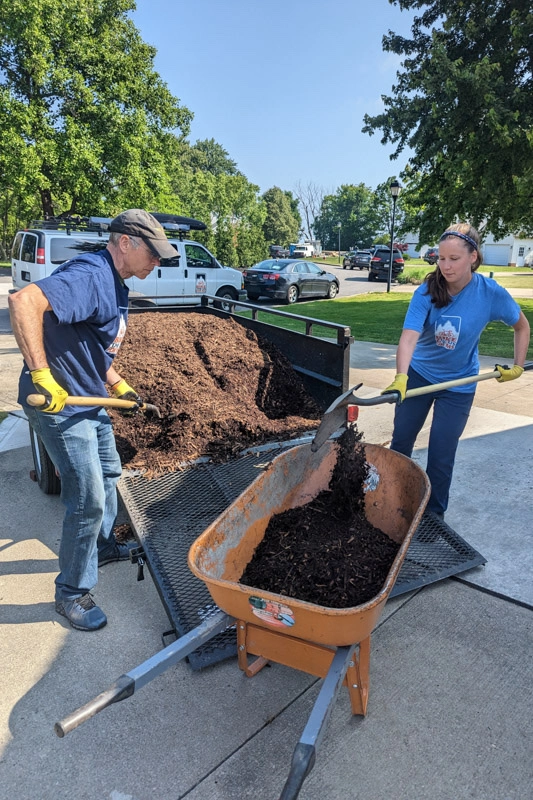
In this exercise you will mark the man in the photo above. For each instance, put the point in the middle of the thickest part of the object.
(69, 328)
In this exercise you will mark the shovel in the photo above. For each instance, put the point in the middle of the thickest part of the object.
(37, 400)
(335, 416)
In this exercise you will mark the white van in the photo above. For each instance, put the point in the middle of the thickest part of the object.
(38, 250)
(305, 250)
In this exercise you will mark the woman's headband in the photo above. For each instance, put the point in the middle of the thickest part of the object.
(461, 236)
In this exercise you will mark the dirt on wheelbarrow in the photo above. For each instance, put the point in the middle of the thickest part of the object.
(219, 387)
(326, 552)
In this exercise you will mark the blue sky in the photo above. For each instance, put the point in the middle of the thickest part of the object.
(282, 85)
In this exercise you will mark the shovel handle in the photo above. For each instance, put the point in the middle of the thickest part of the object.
(37, 400)
(437, 387)
(391, 397)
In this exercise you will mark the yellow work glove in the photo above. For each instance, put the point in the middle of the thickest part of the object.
(123, 391)
(399, 385)
(46, 384)
(508, 373)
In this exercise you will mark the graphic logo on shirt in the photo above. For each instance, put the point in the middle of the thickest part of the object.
(117, 341)
(447, 331)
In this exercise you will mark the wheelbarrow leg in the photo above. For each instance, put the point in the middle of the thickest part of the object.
(357, 678)
(304, 756)
(126, 685)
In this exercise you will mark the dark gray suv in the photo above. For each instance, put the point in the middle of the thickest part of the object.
(380, 261)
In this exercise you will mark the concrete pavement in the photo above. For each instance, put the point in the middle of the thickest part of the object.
(450, 703)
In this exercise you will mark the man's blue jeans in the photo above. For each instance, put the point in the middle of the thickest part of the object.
(82, 448)
(450, 415)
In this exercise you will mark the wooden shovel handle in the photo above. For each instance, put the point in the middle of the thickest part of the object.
(37, 400)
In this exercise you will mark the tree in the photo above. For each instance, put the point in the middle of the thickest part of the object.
(310, 198)
(360, 213)
(84, 118)
(462, 103)
(282, 223)
(209, 156)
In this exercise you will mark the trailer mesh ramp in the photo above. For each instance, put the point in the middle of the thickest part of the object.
(436, 552)
(168, 513)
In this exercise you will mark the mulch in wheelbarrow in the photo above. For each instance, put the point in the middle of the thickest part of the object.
(326, 552)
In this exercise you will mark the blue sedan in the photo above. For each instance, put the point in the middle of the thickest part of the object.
(289, 280)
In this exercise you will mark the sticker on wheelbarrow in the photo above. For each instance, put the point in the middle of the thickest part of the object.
(272, 613)
(372, 479)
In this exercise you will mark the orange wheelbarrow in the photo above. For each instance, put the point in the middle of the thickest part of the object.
(331, 643)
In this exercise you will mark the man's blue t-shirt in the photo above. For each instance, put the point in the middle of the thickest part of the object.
(85, 328)
(448, 345)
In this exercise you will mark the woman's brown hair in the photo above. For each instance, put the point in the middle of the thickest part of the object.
(436, 286)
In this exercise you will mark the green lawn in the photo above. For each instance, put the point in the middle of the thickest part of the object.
(378, 317)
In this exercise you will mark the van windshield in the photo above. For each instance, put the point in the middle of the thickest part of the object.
(64, 247)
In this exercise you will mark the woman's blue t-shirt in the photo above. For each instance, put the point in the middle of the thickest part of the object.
(448, 345)
(85, 328)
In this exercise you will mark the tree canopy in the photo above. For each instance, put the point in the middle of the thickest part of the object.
(87, 112)
(88, 127)
(361, 212)
(209, 156)
(462, 103)
(282, 221)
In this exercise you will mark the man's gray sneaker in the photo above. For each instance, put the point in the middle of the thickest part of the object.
(82, 613)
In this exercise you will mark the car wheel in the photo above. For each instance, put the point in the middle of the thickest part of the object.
(292, 295)
(371, 276)
(45, 471)
(253, 297)
(228, 295)
(345, 264)
(332, 291)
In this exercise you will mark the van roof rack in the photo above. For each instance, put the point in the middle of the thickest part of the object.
(172, 224)
(70, 224)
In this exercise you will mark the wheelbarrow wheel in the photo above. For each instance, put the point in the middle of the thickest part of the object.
(45, 471)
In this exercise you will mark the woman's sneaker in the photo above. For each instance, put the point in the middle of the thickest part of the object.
(82, 613)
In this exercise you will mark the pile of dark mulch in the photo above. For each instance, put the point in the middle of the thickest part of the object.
(326, 552)
(219, 387)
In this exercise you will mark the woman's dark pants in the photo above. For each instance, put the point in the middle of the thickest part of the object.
(450, 414)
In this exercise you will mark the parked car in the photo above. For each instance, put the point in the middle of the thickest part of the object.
(289, 280)
(380, 262)
(431, 255)
(357, 258)
(277, 251)
(194, 272)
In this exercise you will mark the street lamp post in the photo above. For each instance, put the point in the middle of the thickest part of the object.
(395, 191)
(339, 225)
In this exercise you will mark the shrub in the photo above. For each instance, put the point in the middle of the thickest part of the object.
(415, 276)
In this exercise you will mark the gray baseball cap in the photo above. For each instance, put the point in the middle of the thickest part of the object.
(136, 222)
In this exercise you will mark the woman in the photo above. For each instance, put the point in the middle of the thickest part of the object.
(439, 342)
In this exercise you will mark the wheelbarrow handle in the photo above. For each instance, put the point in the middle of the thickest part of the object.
(135, 679)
